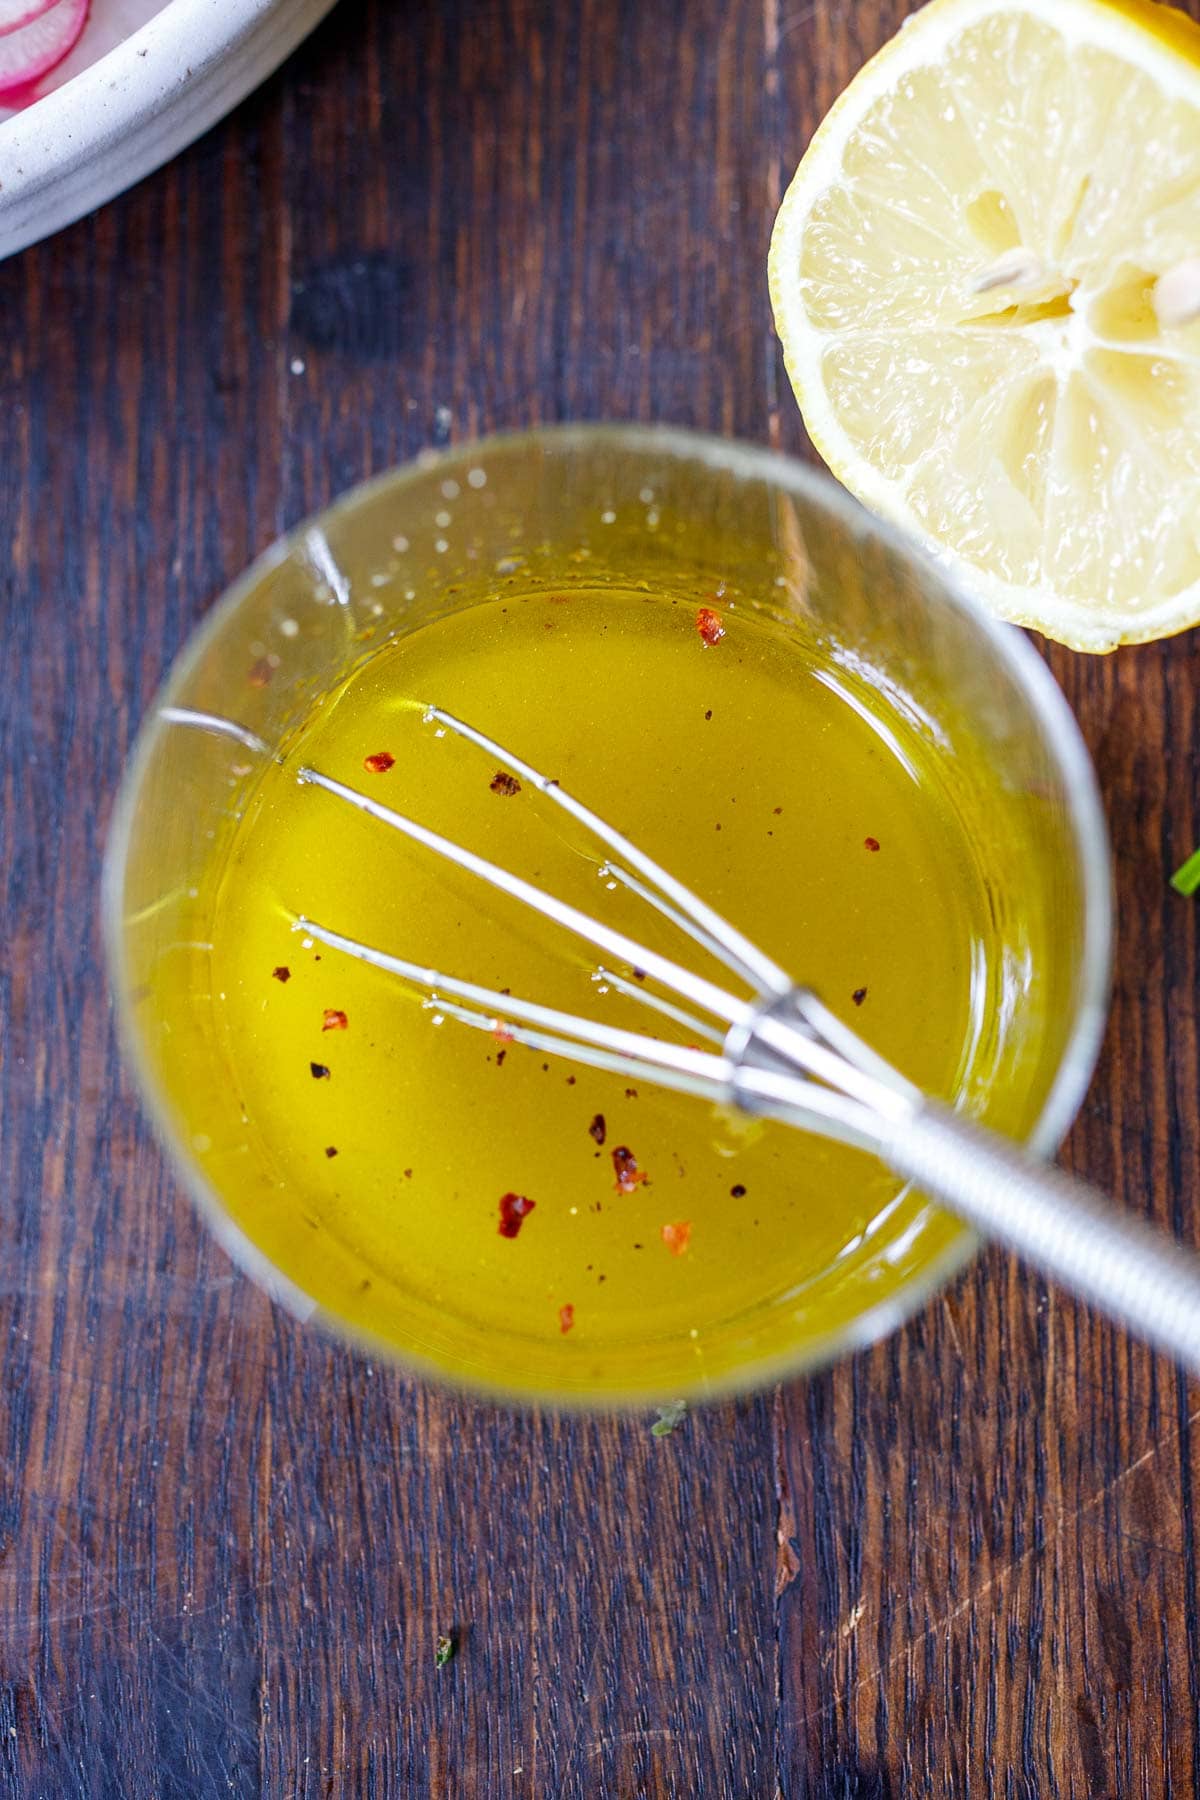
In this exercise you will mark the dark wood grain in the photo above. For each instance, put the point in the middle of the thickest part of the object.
(960, 1565)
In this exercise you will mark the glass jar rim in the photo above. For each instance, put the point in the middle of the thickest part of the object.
(791, 477)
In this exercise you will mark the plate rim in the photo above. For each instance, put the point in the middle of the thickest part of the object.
(137, 106)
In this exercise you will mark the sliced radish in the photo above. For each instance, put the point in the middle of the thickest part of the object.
(15, 13)
(29, 51)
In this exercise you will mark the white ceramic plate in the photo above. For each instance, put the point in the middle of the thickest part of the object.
(145, 79)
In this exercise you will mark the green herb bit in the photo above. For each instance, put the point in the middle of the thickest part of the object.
(1186, 879)
(444, 1652)
(668, 1418)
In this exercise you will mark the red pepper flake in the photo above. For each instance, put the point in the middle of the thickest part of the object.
(379, 763)
(677, 1236)
(331, 1149)
(502, 1032)
(566, 1318)
(638, 974)
(597, 1129)
(261, 672)
(319, 1071)
(500, 1056)
(871, 844)
(708, 714)
(334, 1020)
(710, 626)
(858, 996)
(282, 974)
(503, 783)
(629, 1176)
(408, 1174)
(737, 1191)
(514, 1209)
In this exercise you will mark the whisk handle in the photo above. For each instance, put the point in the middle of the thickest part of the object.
(1121, 1264)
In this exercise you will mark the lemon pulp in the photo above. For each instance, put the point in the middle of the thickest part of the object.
(986, 278)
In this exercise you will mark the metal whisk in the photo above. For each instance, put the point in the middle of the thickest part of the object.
(782, 1054)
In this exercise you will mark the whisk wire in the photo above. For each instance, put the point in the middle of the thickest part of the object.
(695, 988)
(502, 1013)
(756, 968)
(607, 978)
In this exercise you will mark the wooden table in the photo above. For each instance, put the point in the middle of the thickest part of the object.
(962, 1564)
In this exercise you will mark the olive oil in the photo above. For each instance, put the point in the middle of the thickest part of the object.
(514, 1219)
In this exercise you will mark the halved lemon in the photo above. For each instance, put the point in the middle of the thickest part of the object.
(986, 279)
